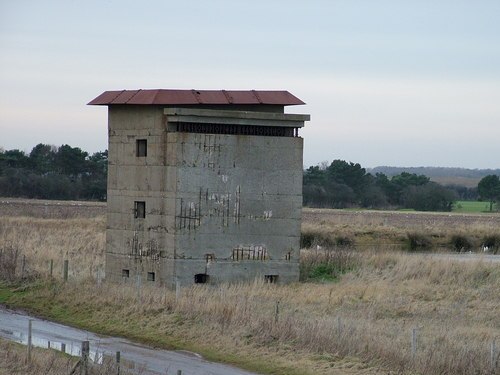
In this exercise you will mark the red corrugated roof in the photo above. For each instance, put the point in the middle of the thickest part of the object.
(177, 97)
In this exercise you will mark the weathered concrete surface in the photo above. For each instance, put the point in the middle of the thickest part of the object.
(145, 360)
(223, 205)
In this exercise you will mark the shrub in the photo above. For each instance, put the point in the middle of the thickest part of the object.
(419, 241)
(461, 242)
(492, 242)
(344, 241)
(307, 240)
(312, 239)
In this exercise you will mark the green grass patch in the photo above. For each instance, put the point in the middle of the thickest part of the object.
(471, 206)
(5, 293)
(324, 272)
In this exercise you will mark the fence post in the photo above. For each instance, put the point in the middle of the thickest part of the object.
(414, 342)
(51, 267)
(493, 355)
(118, 363)
(138, 286)
(63, 347)
(339, 325)
(30, 325)
(85, 358)
(177, 289)
(65, 273)
(277, 311)
(23, 268)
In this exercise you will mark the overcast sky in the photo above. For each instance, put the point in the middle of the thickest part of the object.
(387, 82)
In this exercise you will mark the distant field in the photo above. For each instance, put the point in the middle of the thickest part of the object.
(471, 206)
(469, 182)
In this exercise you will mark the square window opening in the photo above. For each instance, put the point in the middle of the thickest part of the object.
(125, 273)
(151, 276)
(201, 278)
(139, 209)
(271, 279)
(141, 148)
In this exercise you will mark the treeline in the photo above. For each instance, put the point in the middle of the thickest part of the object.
(342, 184)
(50, 172)
(65, 172)
(436, 171)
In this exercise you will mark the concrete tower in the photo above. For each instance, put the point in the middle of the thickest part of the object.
(203, 186)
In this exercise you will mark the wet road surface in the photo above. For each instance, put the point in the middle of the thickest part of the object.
(45, 334)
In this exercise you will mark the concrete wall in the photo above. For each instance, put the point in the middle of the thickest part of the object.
(238, 192)
(130, 179)
(210, 200)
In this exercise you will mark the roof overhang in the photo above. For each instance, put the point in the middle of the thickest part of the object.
(227, 117)
(196, 97)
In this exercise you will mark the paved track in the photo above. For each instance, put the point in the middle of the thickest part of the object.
(145, 360)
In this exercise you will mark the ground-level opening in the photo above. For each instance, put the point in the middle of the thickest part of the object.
(201, 278)
(151, 276)
(271, 279)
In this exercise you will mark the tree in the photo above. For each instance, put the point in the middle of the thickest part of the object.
(42, 158)
(314, 175)
(428, 197)
(489, 189)
(95, 178)
(400, 183)
(350, 174)
(71, 161)
(49, 172)
(13, 159)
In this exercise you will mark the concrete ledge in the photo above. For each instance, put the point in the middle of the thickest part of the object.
(209, 116)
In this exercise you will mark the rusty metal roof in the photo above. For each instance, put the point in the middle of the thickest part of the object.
(182, 97)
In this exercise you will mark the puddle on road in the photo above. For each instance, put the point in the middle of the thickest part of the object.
(72, 348)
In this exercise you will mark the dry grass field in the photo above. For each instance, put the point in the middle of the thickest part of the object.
(361, 323)
(385, 229)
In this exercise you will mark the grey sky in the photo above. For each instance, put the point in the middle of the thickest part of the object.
(394, 82)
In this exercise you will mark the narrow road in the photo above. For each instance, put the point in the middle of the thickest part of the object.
(139, 358)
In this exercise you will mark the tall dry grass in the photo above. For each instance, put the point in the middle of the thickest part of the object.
(369, 314)
(322, 327)
(80, 241)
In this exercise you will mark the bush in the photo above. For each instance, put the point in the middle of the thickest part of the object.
(429, 197)
(461, 242)
(419, 241)
(492, 242)
(307, 240)
(312, 239)
(344, 241)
